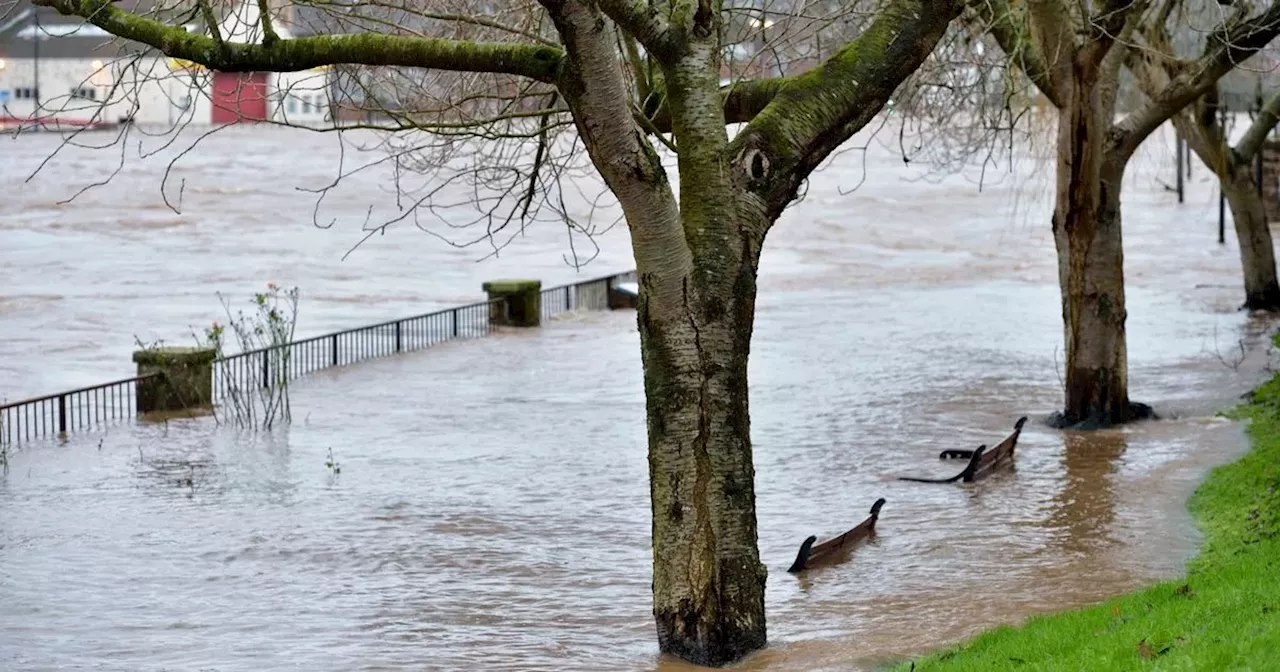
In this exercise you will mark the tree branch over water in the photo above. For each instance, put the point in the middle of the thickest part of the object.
(1230, 44)
(814, 113)
(1258, 131)
(1009, 26)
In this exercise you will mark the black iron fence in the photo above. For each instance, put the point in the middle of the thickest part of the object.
(94, 406)
(272, 366)
(74, 410)
(588, 295)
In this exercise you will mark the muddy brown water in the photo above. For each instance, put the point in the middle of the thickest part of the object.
(492, 506)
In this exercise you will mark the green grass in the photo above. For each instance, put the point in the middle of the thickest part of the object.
(1225, 615)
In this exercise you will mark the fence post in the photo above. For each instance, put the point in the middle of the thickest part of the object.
(266, 369)
(397, 337)
(455, 322)
(1186, 154)
(1177, 140)
(523, 300)
(567, 289)
(62, 413)
(185, 378)
(1222, 202)
(333, 348)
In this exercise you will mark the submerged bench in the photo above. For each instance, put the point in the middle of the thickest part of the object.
(830, 551)
(981, 461)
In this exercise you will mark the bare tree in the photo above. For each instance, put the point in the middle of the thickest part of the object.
(626, 74)
(1200, 125)
(1075, 53)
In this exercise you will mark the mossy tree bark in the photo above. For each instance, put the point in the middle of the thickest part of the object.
(1075, 60)
(696, 257)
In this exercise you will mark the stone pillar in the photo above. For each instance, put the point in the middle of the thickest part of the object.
(523, 302)
(186, 379)
(1271, 179)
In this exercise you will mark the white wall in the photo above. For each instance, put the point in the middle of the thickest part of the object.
(187, 96)
(77, 89)
(301, 98)
(154, 91)
(58, 79)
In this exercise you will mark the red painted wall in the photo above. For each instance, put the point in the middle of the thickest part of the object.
(239, 96)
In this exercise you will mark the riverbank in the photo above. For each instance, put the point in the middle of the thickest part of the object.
(1224, 614)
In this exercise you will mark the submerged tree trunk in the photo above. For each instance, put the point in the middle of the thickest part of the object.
(1235, 178)
(708, 581)
(1086, 226)
(1077, 59)
(696, 262)
(1257, 253)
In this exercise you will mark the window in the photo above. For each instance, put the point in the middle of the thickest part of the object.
(84, 93)
(26, 93)
(306, 104)
(293, 104)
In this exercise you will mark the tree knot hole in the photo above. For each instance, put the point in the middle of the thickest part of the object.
(704, 19)
(757, 164)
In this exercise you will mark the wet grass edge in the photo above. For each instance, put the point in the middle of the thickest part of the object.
(1225, 613)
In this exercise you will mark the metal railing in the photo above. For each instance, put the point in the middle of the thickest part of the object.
(80, 409)
(586, 295)
(88, 407)
(267, 367)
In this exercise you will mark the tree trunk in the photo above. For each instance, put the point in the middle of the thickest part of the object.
(696, 263)
(708, 582)
(1086, 226)
(1257, 255)
(1235, 178)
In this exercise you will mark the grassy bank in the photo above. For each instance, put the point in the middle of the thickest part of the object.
(1225, 615)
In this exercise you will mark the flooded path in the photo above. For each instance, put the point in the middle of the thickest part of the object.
(492, 508)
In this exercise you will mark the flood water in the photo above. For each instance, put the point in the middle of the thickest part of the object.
(492, 507)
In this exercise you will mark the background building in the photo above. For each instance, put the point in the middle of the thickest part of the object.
(61, 69)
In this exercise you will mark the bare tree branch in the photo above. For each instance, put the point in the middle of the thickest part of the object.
(206, 13)
(1258, 131)
(1051, 28)
(593, 86)
(742, 101)
(1011, 29)
(1231, 44)
(1106, 25)
(842, 95)
(1119, 45)
(269, 35)
(641, 21)
(639, 67)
